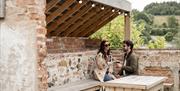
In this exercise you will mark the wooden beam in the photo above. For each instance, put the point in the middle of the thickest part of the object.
(127, 29)
(2, 8)
(91, 21)
(61, 8)
(82, 12)
(51, 4)
(69, 13)
(119, 4)
(79, 23)
(96, 24)
(100, 25)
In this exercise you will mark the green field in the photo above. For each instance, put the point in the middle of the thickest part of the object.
(159, 20)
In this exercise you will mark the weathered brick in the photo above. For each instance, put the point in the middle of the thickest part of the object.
(41, 30)
(25, 2)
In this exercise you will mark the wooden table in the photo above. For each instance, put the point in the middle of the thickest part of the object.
(135, 83)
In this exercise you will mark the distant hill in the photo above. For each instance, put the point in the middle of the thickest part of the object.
(159, 19)
(165, 8)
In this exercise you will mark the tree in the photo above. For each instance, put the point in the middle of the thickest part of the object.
(177, 40)
(172, 22)
(143, 16)
(165, 8)
(169, 36)
(114, 32)
(158, 43)
(164, 25)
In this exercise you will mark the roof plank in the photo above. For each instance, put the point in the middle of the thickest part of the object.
(99, 25)
(91, 21)
(79, 23)
(67, 15)
(51, 4)
(61, 8)
(71, 21)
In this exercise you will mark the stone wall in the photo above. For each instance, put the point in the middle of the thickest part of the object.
(69, 59)
(22, 44)
(75, 65)
(69, 67)
(158, 63)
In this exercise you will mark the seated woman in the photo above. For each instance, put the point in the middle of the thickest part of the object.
(103, 70)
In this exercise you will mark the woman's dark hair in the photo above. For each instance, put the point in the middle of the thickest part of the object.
(102, 47)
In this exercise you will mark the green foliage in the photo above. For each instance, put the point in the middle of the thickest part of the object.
(145, 30)
(159, 43)
(164, 25)
(136, 38)
(159, 31)
(177, 40)
(114, 33)
(165, 8)
(143, 16)
(172, 22)
(146, 19)
(169, 36)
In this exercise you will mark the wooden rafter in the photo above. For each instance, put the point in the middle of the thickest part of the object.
(86, 10)
(72, 20)
(96, 23)
(51, 4)
(78, 22)
(69, 13)
(69, 18)
(91, 21)
(83, 23)
(61, 8)
(101, 24)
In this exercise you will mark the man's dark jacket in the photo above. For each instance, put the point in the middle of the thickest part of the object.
(131, 67)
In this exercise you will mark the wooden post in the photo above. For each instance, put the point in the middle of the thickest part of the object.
(127, 29)
(2, 8)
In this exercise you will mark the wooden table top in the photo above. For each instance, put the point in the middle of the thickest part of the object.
(135, 81)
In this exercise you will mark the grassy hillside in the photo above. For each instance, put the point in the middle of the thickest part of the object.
(159, 20)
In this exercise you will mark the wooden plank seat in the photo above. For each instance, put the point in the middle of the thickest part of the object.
(83, 85)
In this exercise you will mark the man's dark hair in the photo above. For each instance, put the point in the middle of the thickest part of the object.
(129, 43)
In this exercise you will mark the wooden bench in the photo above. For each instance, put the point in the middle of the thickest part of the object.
(83, 85)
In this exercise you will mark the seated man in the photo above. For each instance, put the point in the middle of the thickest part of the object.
(130, 63)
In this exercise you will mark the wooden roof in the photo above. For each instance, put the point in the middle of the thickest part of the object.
(78, 18)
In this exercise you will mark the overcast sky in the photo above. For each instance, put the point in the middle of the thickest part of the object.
(140, 4)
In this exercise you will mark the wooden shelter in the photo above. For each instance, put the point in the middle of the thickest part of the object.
(81, 18)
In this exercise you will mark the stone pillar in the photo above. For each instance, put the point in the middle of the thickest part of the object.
(23, 46)
(127, 29)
